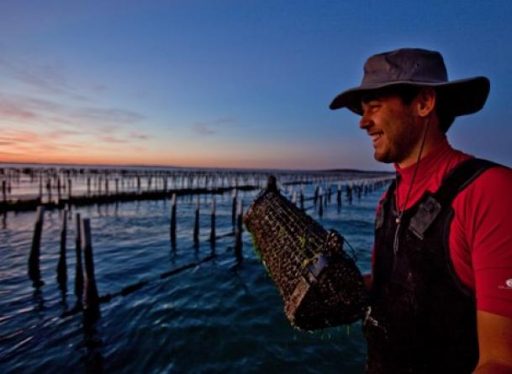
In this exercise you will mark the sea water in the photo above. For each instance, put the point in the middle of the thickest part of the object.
(220, 316)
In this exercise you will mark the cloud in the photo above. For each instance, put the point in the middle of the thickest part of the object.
(212, 127)
(15, 111)
(17, 136)
(138, 135)
(46, 78)
(29, 109)
(34, 127)
(203, 129)
(99, 88)
(60, 133)
(113, 139)
(111, 115)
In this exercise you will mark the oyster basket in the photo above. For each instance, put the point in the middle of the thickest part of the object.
(320, 284)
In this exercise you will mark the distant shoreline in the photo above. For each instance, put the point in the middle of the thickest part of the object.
(171, 167)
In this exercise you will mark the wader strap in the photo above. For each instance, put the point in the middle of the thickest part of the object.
(456, 181)
(461, 177)
(379, 220)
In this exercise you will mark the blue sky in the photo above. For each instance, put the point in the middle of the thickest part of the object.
(229, 83)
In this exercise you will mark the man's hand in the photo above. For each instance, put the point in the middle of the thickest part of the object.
(495, 343)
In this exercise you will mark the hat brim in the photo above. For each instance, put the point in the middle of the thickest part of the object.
(464, 96)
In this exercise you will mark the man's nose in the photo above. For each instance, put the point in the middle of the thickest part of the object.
(365, 121)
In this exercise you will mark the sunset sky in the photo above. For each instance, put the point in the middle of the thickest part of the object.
(219, 83)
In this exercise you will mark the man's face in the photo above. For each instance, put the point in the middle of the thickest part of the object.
(392, 126)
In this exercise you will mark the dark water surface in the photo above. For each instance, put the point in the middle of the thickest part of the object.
(219, 316)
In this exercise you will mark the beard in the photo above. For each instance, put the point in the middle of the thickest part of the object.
(401, 143)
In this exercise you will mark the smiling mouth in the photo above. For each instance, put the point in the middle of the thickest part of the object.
(375, 137)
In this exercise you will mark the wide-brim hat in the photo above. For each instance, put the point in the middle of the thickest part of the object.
(416, 67)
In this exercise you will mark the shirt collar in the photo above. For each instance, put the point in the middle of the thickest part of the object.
(427, 165)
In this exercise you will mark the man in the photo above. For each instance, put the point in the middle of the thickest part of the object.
(441, 282)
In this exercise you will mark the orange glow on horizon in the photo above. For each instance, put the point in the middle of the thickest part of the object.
(264, 161)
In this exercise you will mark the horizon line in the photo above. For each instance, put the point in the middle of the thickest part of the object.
(330, 170)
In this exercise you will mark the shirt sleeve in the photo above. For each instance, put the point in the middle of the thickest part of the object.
(482, 240)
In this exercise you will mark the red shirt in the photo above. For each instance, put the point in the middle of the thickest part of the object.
(481, 231)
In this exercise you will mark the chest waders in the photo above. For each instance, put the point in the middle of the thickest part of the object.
(422, 319)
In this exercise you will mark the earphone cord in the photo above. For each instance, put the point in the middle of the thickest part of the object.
(404, 205)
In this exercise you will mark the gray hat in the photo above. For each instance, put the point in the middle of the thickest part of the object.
(416, 67)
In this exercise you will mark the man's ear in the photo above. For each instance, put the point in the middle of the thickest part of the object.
(425, 102)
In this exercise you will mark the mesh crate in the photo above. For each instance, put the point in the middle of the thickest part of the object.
(320, 284)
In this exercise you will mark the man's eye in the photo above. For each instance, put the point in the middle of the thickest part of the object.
(372, 106)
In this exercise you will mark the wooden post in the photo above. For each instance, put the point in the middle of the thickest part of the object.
(40, 187)
(106, 186)
(212, 232)
(173, 220)
(58, 189)
(69, 189)
(91, 300)
(233, 209)
(4, 191)
(33, 261)
(238, 233)
(302, 199)
(338, 198)
(117, 186)
(320, 205)
(294, 198)
(88, 186)
(49, 189)
(79, 276)
(62, 272)
(196, 224)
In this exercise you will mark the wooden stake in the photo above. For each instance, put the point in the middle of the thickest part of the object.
(4, 191)
(196, 223)
(320, 205)
(40, 187)
(33, 262)
(212, 231)
(49, 189)
(79, 276)
(233, 208)
(338, 198)
(62, 272)
(173, 220)
(91, 300)
(238, 233)
(317, 191)
(58, 189)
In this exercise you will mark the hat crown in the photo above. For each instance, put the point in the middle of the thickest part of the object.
(411, 65)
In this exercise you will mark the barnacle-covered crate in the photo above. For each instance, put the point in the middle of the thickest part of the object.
(320, 284)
